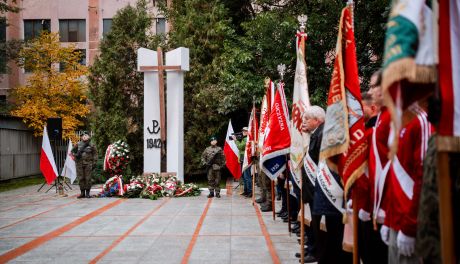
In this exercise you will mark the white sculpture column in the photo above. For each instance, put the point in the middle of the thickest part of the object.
(152, 140)
(175, 110)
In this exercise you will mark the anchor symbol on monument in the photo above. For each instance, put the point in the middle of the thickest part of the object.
(155, 129)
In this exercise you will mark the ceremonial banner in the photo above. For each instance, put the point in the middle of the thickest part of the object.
(277, 137)
(300, 102)
(250, 150)
(231, 153)
(409, 59)
(449, 69)
(47, 164)
(311, 169)
(265, 108)
(70, 168)
(344, 145)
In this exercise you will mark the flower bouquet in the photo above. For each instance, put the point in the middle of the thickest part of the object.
(112, 187)
(135, 187)
(188, 189)
(116, 158)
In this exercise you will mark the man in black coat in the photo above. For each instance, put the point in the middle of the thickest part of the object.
(313, 123)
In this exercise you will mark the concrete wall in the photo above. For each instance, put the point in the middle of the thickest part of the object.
(19, 150)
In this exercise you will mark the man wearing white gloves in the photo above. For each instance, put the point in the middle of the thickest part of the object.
(371, 248)
(404, 186)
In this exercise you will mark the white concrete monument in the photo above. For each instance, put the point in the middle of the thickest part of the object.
(155, 131)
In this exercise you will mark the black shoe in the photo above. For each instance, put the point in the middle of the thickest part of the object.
(309, 259)
(280, 212)
(248, 195)
(82, 194)
(283, 215)
(266, 208)
(87, 193)
(218, 194)
(296, 230)
(211, 194)
(297, 255)
(260, 200)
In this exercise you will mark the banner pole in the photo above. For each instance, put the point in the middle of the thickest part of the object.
(445, 208)
(273, 198)
(288, 206)
(355, 229)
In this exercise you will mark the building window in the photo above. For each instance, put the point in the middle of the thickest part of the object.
(161, 26)
(82, 60)
(33, 27)
(72, 30)
(106, 26)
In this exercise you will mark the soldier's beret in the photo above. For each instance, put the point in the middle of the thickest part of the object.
(212, 138)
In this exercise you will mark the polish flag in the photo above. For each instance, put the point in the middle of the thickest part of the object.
(231, 153)
(47, 164)
(70, 168)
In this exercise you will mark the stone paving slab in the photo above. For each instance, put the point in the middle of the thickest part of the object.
(225, 230)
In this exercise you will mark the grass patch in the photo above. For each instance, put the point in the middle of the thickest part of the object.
(19, 183)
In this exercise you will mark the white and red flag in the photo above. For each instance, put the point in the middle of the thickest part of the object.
(409, 71)
(231, 153)
(251, 143)
(277, 137)
(47, 164)
(449, 69)
(70, 168)
(300, 102)
(344, 145)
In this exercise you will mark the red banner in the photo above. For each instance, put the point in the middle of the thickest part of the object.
(344, 143)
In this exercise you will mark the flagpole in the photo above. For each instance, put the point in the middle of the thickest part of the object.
(350, 5)
(253, 142)
(303, 22)
(286, 175)
(273, 198)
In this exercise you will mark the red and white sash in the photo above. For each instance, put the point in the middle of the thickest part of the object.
(330, 187)
(310, 168)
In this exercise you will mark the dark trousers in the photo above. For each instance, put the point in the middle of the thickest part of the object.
(280, 188)
(295, 207)
(370, 245)
(309, 231)
(329, 244)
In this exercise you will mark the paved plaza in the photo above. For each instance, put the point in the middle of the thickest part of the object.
(47, 228)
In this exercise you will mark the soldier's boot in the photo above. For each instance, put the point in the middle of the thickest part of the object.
(82, 194)
(260, 200)
(87, 193)
(218, 194)
(211, 194)
(266, 207)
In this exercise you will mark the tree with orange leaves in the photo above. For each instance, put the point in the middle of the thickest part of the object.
(56, 86)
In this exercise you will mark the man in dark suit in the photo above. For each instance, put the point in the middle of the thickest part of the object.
(312, 122)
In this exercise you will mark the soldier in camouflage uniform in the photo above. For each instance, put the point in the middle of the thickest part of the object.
(213, 158)
(85, 157)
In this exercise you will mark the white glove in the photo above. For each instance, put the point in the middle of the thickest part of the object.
(364, 216)
(380, 216)
(350, 206)
(406, 244)
(385, 234)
